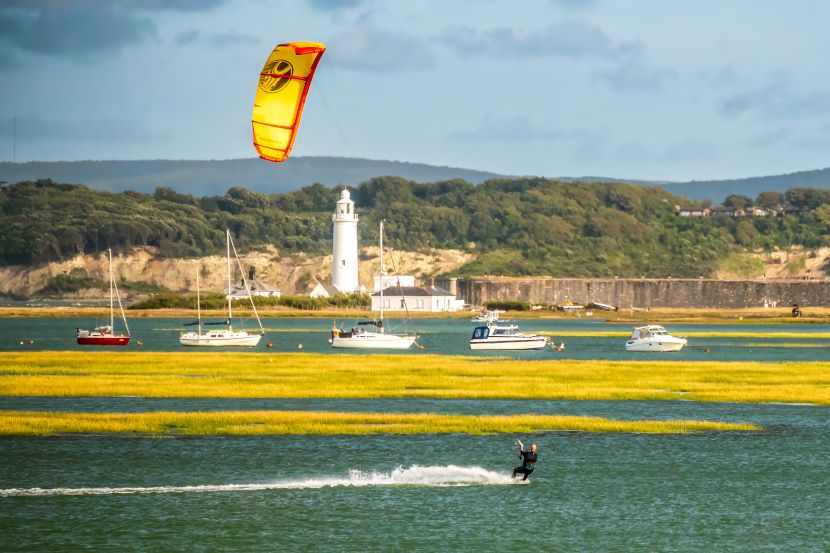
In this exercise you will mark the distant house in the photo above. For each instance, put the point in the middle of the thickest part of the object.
(723, 210)
(693, 211)
(257, 288)
(384, 282)
(330, 290)
(430, 299)
(324, 290)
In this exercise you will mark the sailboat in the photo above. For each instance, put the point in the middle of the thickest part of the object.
(361, 338)
(226, 336)
(103, 335)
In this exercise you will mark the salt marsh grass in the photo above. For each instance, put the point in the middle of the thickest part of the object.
(306, 375)
(27, 423)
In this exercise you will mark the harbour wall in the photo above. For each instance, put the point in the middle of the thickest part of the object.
(643, 292)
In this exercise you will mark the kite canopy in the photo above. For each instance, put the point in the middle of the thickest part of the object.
(280, 96)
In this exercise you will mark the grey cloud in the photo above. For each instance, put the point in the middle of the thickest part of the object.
(334, 5)
(186, 37)
(691, 149)
(574, 4)
(380, 51)
(776, 100)
(571, 39)
(71, 28)
(515, 129)
(220, 40)
(82, 27)
(636, 74)
(89, 130)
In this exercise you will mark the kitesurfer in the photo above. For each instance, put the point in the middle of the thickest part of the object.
(528, 461)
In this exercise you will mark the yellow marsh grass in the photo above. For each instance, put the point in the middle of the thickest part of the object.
(626, 334)
(306, 375)
(298, 422)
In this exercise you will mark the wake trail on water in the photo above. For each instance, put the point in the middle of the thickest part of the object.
(415, 475)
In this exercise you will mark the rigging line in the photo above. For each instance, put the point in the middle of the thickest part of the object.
(331, 113)
(400, 291)
(245, 283)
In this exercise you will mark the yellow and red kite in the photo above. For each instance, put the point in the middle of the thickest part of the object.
(280, 97)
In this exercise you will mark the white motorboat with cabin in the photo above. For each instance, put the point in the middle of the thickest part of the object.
(362, 338)
(223, 337)
(654, 338)
(505, 337)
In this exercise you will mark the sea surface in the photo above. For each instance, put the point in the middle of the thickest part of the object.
(447, 336)
(718, 491)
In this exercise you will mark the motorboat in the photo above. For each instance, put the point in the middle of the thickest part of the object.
(654, 338)
(377, 337)
(104, 335)
(223, 337)
(505, 337)
(487, 316)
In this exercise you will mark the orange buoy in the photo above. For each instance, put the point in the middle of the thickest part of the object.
(269, 345)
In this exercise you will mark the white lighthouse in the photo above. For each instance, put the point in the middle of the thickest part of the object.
(344, 260)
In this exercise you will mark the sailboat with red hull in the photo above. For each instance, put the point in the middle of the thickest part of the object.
(103, 335)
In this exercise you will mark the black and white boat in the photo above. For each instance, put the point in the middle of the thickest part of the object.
(505, 337)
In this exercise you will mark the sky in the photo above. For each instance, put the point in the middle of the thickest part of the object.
(644, 89)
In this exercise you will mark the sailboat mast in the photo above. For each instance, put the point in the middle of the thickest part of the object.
(230, 309)
(198, 303)
(381, 274)
(112, 306)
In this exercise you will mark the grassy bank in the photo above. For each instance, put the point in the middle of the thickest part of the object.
(29, 423)
(301, 375)
(658, 315)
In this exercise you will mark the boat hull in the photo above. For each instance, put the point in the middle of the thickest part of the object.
(235, 339)
(373, 341)
(656, 345)
(103, 340)
(512, 344)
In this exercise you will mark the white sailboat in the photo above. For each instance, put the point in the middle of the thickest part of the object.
(361, 338)
(224, 337)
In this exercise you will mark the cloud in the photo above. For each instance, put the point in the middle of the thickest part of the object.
(83, 27)
(515, 129)
(334, 5)
(380, 51)
(89, 130)
(636, 74)
(186, 37)
(570, 39)
(684, 150)
(776, 100)
(574, 4)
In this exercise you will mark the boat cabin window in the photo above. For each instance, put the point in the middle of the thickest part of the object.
(480, 333)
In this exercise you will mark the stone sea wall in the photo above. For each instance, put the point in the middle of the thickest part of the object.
(643, 293)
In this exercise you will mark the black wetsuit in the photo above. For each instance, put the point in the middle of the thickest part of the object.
(528, 463)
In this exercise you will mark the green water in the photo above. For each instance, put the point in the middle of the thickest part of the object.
(764, 491)
(444, 336)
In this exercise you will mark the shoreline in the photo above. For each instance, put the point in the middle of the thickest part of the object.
(817, 315)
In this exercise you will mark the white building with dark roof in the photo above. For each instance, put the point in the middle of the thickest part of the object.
(430, 299)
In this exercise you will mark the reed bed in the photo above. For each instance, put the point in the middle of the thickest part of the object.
(29, 423)
(307, 375)
(692, 334)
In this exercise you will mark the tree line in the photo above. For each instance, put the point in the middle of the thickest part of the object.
(521, 226)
